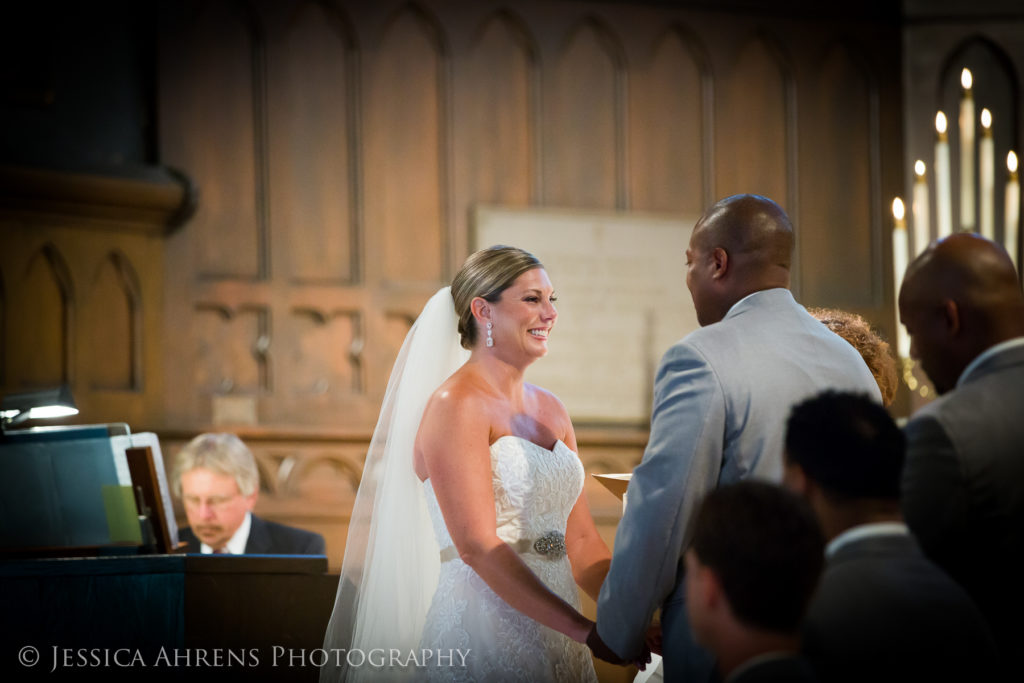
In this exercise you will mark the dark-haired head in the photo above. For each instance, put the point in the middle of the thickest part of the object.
(765, 547)
(848, 445)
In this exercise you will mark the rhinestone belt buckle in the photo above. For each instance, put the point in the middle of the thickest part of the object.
(551, 545)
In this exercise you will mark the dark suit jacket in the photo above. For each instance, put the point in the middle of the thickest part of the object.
(776, 670)
(883, 612)
(269, 538)
(963, 491)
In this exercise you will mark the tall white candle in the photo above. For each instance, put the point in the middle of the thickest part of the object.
(900, 261)
(987, 178)
(943, 203)
(966, 153)
(920, 208)
(1012, 207)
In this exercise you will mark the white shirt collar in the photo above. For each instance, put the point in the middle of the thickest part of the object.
(986, 354)
(860, 531)
(236, 544)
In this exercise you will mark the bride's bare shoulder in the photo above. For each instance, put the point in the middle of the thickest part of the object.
(465, 393)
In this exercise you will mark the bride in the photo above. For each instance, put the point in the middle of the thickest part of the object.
(470, 531)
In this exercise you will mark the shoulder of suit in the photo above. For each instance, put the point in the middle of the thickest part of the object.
(284, 531)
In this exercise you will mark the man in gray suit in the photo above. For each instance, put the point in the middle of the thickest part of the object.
(721, 398)
(883, 611)
(963, 485)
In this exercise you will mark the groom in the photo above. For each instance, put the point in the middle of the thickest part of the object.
(721, 398)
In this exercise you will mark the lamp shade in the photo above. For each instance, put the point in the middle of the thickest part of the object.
(42, 403)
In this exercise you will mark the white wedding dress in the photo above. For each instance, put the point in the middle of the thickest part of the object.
(534, 491)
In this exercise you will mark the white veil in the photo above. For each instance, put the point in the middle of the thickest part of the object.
(392, 560)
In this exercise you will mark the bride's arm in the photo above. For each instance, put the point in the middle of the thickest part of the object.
(454, 442)
(588, 553)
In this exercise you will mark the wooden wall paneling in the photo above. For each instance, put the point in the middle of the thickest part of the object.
(752, 135)
(113, 326)
(230, 354)
(407, 182)
(120, 359)
(839, 137)
(313, 153)
(500, 93)
(325, 363)
(669, 126)
(43, 306)
(213, 129)
(584, 151)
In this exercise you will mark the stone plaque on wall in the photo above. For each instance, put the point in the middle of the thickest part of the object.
(620, 279)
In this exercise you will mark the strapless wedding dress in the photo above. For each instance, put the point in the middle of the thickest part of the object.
(534, 491)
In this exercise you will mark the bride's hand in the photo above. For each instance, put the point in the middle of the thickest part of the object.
(582, 629)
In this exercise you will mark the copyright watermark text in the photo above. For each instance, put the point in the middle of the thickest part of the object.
(30, 656)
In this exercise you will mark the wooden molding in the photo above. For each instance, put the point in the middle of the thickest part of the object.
(152, 201)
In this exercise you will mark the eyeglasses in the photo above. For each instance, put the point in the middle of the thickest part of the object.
(216, 503)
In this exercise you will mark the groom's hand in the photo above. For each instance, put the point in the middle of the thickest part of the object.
(601, 650)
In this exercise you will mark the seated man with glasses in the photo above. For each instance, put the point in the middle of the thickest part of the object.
(215, 476)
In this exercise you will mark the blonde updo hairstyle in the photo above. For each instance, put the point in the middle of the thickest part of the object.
(486, 274)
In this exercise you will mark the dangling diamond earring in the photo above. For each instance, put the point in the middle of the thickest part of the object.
(490, 339)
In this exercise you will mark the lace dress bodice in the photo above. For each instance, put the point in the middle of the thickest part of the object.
(534, 492)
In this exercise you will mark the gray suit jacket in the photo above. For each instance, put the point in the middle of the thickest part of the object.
(884, 612)
(721, 399)
(963, 490)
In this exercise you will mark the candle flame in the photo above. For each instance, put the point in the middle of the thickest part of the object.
(897, 209)
(966, 79)
(1011, 162)
(940, 123)
(986, 118)
(919, 168)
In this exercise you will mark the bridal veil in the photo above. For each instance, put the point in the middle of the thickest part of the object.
(391, 564)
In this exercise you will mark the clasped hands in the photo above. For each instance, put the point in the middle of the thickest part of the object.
(652, 643)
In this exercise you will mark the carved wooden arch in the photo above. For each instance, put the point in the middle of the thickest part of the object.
(268, 472)
(427, 23)
(253, 28)
(701, 57)
(127, 281)
(950, 69)
(525, 44)
(1005, 123)
(787, 72)
(842, 120)
(427, 20)
(58, 271)
(349, 470)
(338, 19)
(611, 44)
(691, 42)
(516, 28)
